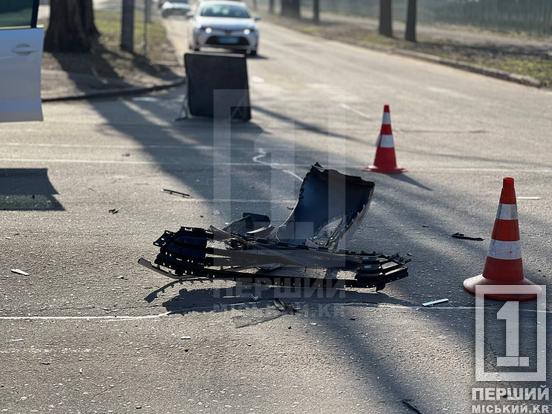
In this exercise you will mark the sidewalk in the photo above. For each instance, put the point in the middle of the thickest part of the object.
(107, 70)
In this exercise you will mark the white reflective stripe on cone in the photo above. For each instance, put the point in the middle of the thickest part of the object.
(507, 212)
(386, 118)
(386, 141)
(505, 250)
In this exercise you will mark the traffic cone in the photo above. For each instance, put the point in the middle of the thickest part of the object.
(385, 161)
(504, 264)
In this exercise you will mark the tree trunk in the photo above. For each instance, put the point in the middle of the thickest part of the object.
(255, 5)
(271, 6)
(127, 26)
(291, 8)
(386, 18)
(87, 17)
(316, 11)
(71, 27)
(411, 17)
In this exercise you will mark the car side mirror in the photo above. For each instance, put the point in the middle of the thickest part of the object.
(257, 18)
(189, 15)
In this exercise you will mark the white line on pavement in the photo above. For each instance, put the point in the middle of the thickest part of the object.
(262, 154)
(353, 110)
(179, 312)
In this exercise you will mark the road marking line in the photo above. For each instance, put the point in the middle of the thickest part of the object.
(191, 309)
(262, 154)
(257, 162)
(353, 110)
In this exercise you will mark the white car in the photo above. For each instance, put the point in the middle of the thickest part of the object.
(20, 61)
(226, 25)
(175, 7)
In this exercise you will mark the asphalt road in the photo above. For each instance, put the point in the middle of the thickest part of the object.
(77, 334)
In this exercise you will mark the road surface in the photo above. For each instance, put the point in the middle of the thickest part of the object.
(77, 334)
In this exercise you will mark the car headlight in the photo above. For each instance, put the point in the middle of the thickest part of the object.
(208, 30)
(248, 31)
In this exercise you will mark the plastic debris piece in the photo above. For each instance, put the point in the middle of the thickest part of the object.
(19, 272)
(462, 236)
(173, 192)
(186, 337)
(114, 210)
(435, 302)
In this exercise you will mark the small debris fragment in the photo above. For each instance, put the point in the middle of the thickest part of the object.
(126, 154)
(253, 298)
(464, 237)
(19, 272)
(185, 337)
(528, 198)
(45, 363)
(314, 323)
(408, 404)
(435, 302)
(114, 210)
(173, 192)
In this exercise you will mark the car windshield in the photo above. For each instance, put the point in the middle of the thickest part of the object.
(179, 1)
(224, 10)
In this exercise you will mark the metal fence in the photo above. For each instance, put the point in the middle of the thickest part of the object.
(510, 15)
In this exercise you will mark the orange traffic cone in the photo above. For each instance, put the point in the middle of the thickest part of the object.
(385, 161)
(504, 265)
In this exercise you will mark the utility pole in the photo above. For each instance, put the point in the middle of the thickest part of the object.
(127, 26)
(386, 18)
(411, 17)
(316, 11)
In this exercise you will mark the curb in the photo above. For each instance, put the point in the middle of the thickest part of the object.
(114, 93)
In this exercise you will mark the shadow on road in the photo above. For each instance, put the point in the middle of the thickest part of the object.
(27, 189)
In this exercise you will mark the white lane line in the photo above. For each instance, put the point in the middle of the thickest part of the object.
(449, 92)
(276, 166)
(191, 309)
(233, 200)
(353, 110)
(280, 166)
(84, 318)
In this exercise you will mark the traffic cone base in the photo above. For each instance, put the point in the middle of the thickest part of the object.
(376, 169)
(480, 280)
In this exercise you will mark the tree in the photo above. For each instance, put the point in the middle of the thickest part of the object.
(127, 26)
(71, 27)
(386, 18)
(316, 11)
(411, 17)
(291, 8)
(271, 6)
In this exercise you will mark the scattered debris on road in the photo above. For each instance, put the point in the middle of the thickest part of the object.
(185, 337)
(310, 239)
(462, 236)
(173, 192)
(19, 272)
(435, 302)
(408, 403)
(114, 210)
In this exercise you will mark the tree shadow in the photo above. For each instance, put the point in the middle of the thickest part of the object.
(23, 189)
